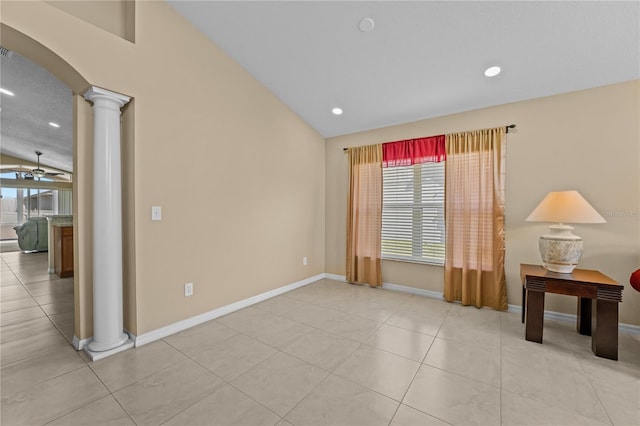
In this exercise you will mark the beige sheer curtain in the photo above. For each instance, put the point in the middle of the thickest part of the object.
(364, 215)
(474, 218)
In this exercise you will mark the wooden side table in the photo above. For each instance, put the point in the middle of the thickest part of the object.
(595, 291)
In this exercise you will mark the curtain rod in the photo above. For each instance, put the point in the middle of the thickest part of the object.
(510, 126)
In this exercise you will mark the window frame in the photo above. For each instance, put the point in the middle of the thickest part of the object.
(418, 207)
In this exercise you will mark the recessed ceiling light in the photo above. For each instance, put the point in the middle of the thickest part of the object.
(337, 111)
(366, 25)
(492, 71)
(52, 124)
(6, 92)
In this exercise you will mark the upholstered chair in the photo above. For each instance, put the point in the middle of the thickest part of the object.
(33, 235)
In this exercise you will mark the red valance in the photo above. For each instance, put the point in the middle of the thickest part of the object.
(414, 151)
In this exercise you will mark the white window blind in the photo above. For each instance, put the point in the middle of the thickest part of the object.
(413, 213)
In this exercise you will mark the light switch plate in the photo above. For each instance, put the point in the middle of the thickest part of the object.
(156, 213)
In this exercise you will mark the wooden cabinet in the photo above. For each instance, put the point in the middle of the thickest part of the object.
(63, 257)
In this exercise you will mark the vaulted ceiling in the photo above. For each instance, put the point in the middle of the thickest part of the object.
(421, 59)
(382, 62)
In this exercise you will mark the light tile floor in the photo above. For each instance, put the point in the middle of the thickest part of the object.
(325, 354)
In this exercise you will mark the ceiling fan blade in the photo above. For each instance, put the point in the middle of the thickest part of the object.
(53, 173)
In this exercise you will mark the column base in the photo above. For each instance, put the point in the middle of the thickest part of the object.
(96, 355)
(101, 347)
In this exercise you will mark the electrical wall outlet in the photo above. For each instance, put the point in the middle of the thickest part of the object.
(188, 289)
(305, 261)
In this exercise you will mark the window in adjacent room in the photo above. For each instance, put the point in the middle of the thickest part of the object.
(413, 213)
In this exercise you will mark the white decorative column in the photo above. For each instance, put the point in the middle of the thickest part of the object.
(108, 330)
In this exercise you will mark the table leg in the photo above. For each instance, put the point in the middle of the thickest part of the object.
(534, 317)
(584, 316)
(524, 302)
(604, 341)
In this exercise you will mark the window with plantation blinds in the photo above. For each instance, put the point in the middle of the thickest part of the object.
(413, 213)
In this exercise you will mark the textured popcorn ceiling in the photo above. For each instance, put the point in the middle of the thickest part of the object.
(39, 98)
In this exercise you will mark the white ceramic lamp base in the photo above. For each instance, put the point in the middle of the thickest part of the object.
(561, 249)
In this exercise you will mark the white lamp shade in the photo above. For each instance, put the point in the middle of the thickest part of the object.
(565, 207)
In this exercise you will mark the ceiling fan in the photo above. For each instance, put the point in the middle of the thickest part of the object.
(38, 172)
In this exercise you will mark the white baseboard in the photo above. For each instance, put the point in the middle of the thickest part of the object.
(629, 329)
(412, 290)
(335, 277)
(79, 344)
(548, 315)
(559, 316)
(168, 330)
(394, 287)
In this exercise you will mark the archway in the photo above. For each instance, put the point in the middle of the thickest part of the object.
(83, 141)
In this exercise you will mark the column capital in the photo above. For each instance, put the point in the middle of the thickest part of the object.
(95, 93)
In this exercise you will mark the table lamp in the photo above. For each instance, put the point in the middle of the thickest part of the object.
(561, 249)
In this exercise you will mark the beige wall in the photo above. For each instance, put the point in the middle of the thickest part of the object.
(240, 178)
(247, 188)
(115, 16)
(587, 140)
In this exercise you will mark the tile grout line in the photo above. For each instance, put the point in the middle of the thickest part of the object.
(595, 392)
(31, 295)
(261, 404)
(443, 370)
(329, 373)
(45, 315)
(416, 375)
(109, 393)
(546, 403)
(361, 344)
(277, 350)
(306, 396)
(229, 382)
(420, 363)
